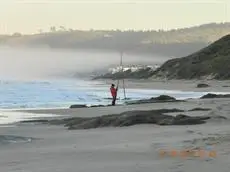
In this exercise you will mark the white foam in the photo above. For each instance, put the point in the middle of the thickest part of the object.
(10, 117)
(133, 68)
(32, 108)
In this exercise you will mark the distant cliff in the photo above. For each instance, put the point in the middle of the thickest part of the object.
(177, 42)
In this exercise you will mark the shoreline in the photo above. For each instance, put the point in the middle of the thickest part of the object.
(58, 112)
(183, 86)
(160, 87)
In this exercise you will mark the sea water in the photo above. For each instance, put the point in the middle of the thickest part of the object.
(62, 94)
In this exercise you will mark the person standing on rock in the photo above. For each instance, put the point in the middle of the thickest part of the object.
(113, 91)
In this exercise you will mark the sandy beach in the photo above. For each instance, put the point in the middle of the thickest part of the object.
(45, 148)
(60, 61)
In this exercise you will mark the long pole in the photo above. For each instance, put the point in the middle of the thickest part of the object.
(121, 64)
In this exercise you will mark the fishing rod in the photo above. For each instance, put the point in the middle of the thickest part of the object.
(122, 70)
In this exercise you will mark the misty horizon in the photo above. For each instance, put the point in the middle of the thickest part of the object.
(46, 64)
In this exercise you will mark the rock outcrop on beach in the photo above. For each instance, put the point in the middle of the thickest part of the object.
(134, 118)
(129, 118)
(159, 99)
(212, 62)
(211, 96)
(78, 106)
(202, 85)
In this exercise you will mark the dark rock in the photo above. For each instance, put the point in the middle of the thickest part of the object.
(182, 119)
(135, 117)
(164, 98)
(126, 119)
(200, 109)
(169, 110)
(202, 85)
(35, 121)
(86, 124)
(189, 121)
(180, 116)
(167, 121)
(78, 106)
(210, 96)
(160, 99)
(73, 121)
(98, 106)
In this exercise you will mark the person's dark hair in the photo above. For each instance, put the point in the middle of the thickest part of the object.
(112, 85)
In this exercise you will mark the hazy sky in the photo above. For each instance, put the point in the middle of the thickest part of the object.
(28, 16)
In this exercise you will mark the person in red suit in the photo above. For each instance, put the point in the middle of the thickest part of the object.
(113, 91)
